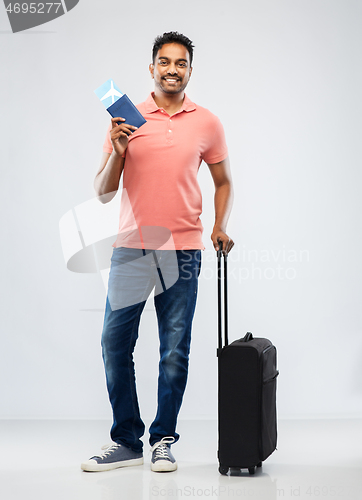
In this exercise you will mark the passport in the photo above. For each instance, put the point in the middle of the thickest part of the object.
(118, 104)
(125, 108)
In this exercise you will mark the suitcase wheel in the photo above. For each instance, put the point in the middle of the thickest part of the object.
(223, 470)
(260, 464)
(251, 470)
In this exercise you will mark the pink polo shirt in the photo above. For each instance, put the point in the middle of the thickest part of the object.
(161, 200)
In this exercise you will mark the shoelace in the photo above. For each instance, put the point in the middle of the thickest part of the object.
(109, 449)
(161, 448)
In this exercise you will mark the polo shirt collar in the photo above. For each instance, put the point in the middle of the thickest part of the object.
(151, 106)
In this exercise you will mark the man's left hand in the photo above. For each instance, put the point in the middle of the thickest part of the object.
(227, 242)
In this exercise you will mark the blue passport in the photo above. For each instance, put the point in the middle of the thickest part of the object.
(118, 104)
(125, 108)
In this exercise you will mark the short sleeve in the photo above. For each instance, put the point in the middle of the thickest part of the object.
(216, 149)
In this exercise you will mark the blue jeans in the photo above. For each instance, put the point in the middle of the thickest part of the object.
(133, 274)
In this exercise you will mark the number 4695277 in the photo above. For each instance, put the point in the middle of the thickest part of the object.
(32, 8)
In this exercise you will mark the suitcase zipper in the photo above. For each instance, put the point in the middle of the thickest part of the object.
(267, 348)
(271, 378)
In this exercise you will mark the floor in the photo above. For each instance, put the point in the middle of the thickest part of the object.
(316, 459)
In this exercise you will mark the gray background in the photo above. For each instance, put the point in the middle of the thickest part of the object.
(285, 78)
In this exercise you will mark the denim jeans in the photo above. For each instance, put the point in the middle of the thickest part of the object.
(133, 274)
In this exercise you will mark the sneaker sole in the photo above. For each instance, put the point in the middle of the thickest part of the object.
(92, 466)
(163, 466)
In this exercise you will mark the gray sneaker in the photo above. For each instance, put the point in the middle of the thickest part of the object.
(115, 456)
(162, 459)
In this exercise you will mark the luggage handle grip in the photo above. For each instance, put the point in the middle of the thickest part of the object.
(248, 336)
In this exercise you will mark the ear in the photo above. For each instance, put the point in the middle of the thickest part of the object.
(151, 68)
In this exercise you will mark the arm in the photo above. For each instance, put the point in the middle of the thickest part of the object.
(106, 182)
(223, 202)
(107, 179)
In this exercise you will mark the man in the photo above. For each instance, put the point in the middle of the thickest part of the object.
(160, 208)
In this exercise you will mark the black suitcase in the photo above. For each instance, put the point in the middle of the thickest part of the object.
(247, 376)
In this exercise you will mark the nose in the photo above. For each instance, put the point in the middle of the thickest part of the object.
(172, 69)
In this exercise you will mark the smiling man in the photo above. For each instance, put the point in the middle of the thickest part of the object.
(172, 71)
(159, 163)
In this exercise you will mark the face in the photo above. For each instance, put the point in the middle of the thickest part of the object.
(171, 69)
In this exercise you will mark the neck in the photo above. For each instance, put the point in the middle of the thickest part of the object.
(169, 102)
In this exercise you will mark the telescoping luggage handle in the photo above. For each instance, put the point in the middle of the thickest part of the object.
(248, 336)
(219, 308)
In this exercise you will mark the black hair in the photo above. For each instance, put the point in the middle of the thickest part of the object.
(172, 37)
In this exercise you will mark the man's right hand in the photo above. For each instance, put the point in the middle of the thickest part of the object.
(119, 135)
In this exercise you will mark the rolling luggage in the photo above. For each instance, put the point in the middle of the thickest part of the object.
(247, 375)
